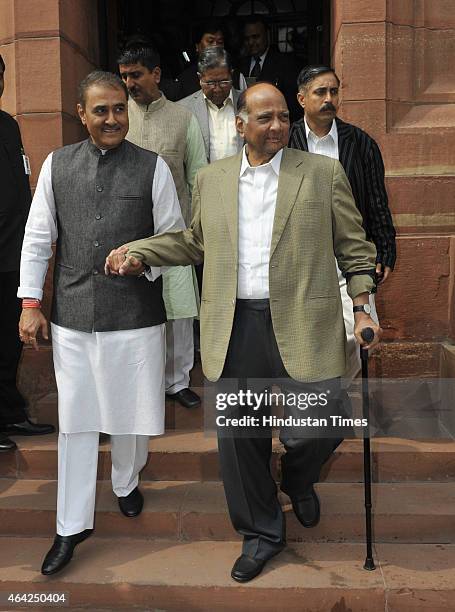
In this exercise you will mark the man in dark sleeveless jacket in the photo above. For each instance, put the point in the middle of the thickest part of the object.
(108, 335)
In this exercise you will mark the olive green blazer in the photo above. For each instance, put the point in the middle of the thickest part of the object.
(315, 217)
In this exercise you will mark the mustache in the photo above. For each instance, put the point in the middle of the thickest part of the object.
(328, 106)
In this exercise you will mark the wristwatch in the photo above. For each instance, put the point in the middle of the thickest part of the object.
(366, 308)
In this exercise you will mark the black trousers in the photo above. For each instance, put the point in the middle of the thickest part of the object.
(245, 452)
(11, 401)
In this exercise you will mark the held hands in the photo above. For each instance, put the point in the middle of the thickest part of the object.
(119, 263)
(361, 321)
(31, 322)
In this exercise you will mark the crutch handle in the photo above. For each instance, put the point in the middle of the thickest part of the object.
(367, 334)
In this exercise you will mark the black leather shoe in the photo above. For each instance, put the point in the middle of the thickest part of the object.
(186, 398)
(307, 508)
(132, 504)
(27, 428)
(246, 568)
(62, 551)
(6, 444)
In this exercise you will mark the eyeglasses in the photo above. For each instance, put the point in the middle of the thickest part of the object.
(215, 83)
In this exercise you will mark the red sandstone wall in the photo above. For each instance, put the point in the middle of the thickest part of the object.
(395, 60)
(48, 46)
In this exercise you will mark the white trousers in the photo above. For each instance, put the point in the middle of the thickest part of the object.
(77, 470)
(179, 354)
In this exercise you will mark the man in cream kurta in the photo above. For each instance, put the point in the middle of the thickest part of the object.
(166, 128)
(108, 338)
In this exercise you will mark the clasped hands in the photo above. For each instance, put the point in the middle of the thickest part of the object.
(119, 263)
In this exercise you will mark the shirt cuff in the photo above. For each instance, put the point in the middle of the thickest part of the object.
(29, 292)
(152, 273)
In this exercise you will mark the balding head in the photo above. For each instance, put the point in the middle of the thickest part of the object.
(258, 89)
(262, 121)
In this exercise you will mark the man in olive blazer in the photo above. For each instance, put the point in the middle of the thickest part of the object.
(299, 209)
(314, 211)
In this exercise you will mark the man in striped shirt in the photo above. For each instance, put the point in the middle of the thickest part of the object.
(320, 131)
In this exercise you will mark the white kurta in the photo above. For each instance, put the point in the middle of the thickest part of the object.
(107, 381)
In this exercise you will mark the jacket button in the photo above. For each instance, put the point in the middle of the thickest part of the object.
(99, 188)
(96, 243)
(95, 272)
(233, 302)
(97, 216)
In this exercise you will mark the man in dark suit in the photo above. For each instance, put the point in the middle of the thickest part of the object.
(14, 207)
(208, 34)
(264, 63)
(320, 131)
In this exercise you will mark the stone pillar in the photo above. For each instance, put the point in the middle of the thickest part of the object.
(395, 61)
(48, 47)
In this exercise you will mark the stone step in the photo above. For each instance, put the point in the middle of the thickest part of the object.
(132, 574)
(191, 455)
(405, 512)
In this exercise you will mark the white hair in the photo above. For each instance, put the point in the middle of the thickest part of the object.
(243, 114)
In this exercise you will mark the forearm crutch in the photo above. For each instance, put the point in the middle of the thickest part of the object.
(368, 335)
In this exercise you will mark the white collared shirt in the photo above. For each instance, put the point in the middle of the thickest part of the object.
(258, 187)
(261, 60)
(223, 135)
(327, 145)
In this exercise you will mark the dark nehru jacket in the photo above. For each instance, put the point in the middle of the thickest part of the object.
(102, 201)
(15, 195)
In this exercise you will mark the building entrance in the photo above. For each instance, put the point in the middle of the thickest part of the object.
(300, 28)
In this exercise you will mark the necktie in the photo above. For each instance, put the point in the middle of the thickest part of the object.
(256, 70)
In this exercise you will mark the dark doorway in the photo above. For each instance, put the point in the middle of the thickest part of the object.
(298, 27)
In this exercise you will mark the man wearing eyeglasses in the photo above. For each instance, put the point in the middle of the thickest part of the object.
(214, 104)
(162, 126)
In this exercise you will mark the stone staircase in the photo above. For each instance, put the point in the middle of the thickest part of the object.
(178, 553)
